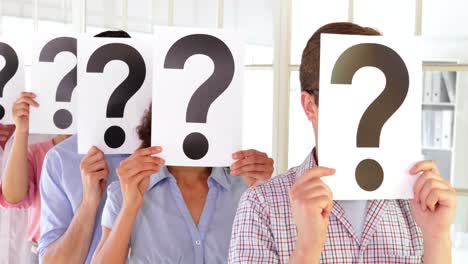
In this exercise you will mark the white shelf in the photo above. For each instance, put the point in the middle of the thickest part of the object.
(436, 148)
(439, 105)
(462, 192)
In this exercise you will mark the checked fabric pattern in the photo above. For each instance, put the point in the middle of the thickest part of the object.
(264, 230)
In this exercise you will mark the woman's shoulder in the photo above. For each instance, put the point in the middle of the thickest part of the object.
(40, 148)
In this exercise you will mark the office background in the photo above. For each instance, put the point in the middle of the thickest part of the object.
(275, 32)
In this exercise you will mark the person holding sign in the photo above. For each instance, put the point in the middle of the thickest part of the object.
(20, 185)
(171, 214)
(73, 191)
(293, 218)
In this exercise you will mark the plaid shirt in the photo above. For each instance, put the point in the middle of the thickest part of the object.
(264, 230)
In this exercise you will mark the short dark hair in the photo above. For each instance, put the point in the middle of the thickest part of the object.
(113, 34)
(144, 129)
(309, 70)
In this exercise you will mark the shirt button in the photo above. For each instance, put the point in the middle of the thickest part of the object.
(361, 257)
(198, 242)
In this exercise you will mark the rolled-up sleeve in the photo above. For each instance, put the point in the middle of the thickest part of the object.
(56, 210)
(251, 239)
(112, 206)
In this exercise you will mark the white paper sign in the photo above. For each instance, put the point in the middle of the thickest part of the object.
(197, 96)
(53, 81)
(114, 78)
(11, 77)
(370, 119)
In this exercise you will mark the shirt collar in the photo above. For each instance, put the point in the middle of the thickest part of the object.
(158, 177)
(218, 175)
(221, 176)
(308, 163)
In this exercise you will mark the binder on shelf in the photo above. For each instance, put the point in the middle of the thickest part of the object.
(447, 127)
(436, 87)
(430, 120)
(443, 96)
(439, 90)
(437, 136)
(425, 128)
(427, 87)
(428, 128)
(450, 82)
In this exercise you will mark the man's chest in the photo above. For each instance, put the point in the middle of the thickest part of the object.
(390, 235)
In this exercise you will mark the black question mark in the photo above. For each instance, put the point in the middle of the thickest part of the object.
(369, 173)
(196, 145)
(62, 118)
(8, 71)
(115, 135)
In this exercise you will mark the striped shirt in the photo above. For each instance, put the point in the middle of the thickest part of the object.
(264, 230)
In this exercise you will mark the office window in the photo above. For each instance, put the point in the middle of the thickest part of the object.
(160, 10)
(253, 21)
(195, 13)
(378, 14)
(309, 15)
(258, 106)
(301, 133)
(17, 22)
(55, 16)
(16, 17)
(103, 15)
(140, 16)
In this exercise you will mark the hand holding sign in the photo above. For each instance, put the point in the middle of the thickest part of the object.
(21, 110)
(433, 206)
(197, 111)
(311, 206)
(351, 72)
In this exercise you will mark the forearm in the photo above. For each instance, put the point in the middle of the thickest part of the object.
(302, 257)
(115, 248)
(302, 254)
(74, 245)
(437, 251)
(16, 180)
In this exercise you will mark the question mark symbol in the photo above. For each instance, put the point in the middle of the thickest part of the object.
(115, 135)
(62, 118)
(8, 71)
(195, 144)
(369, 173)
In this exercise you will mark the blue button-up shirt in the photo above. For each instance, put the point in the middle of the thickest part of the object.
(164, 230)
(61, 193)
